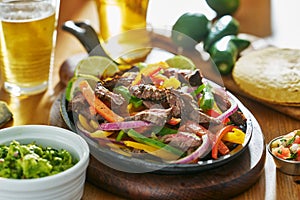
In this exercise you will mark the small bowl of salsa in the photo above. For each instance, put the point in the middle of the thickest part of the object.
(285, 151)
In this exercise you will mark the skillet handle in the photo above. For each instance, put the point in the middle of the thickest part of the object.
(87, 37)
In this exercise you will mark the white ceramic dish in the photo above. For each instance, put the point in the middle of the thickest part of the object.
(66, 185)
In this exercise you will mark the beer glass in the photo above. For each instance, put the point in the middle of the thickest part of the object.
(119, 16)
(27, 41)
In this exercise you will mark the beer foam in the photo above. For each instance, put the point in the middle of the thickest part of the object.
(26, 11)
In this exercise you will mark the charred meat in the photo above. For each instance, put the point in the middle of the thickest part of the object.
(183, 104)
(155, 116)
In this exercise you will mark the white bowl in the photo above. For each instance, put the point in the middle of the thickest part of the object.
(68, 184)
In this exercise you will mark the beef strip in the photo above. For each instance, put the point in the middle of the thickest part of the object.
(238, 118)
(156, 116)
(193, 127)
(223, 103)
(77, 102)
(115, 101)
(148, 92)
(192, 77)
(149, 104)
(125, 80)
(146, 80)
(79, 105)
(183, 104)
(183, 140)
(103, 93)
(195, 78)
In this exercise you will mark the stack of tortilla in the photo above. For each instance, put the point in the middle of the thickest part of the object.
(270, 75)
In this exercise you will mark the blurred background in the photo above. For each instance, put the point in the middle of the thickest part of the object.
(275, 20)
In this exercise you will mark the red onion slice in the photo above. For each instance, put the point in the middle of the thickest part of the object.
(202, 151)
(233, 108)
(102, 140)
(123, 125)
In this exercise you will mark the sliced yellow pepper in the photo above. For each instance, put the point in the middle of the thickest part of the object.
(100, 134)
(236, 136)
(124, 67)
(94, 124)
(85, 123)
(149, 70)
(152, 150)
(172, 82)
(119, 149)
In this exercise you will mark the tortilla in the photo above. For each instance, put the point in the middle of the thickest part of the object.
(271, 75)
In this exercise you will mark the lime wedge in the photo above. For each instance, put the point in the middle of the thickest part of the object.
(97, 66)
(72, 86)
(181, 62)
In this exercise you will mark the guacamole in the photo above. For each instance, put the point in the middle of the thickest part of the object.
(27, 161)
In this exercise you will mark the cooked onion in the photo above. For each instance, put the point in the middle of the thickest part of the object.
(202, 151)
(233, 108)
(123, 125)
(100, 140)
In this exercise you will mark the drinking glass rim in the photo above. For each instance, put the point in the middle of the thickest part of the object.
(21, 1)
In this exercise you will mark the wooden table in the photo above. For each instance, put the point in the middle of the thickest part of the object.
(36, 109)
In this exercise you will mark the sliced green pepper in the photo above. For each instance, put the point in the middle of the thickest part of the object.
(198, 90)
(136, 102)
(224, 54)
(166, 131)
(152, 142)
(207, 99)
(226, 25)
(122, 90)
(120, 135)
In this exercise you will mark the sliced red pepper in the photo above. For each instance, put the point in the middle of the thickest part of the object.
(222, 148)
(97, 104)
(148, 71)
(92, 110)
(174, 121)
(213, 113)
(219, 136)
(158, 79)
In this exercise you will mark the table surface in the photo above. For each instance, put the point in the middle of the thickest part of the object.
(36, 109)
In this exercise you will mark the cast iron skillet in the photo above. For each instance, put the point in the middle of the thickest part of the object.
(88, 37)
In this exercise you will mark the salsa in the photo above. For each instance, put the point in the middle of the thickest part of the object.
(287, 147)
(27, 161)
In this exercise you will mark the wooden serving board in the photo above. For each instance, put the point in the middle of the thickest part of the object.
(222, 182)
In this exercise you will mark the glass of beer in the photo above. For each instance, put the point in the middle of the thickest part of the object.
(119, 16)
(27, 41)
